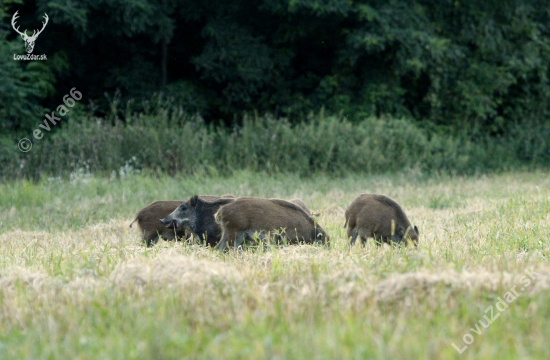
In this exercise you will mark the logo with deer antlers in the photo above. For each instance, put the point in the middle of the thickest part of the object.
(29, 40)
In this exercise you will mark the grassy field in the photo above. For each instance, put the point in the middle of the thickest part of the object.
(75, 282)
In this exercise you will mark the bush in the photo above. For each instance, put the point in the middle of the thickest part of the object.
(178, 143)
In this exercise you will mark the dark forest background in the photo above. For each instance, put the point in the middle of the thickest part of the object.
(362, 85)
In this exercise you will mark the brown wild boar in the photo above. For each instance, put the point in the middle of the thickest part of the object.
(196, 215)
(378, 217)
(303, 205)
(247, 216)
(150, 226)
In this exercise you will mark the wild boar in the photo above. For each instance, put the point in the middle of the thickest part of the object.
(150, 226)
(196, 215)
(247, 216)
(303, 205)
(378, 217)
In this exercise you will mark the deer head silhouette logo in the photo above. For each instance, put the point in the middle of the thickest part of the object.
(29, 40)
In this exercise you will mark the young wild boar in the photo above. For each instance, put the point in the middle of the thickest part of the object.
(303, 205)
(150, 226)
(247, 216)
(379, 217)
(196, 215)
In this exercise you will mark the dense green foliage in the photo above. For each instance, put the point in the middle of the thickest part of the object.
(471, 64)
(23, 84)
(173, 142)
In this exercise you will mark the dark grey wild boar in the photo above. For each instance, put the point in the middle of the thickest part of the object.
(247, 216)
(303, 205)
(379, 217)
(196, 215)
(150, 226)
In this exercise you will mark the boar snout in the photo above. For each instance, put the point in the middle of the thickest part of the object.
(170, 223)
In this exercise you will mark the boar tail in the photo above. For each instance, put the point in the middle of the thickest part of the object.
(133, 222)
(346, 223)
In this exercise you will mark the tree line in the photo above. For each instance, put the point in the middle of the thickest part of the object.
(459, 64)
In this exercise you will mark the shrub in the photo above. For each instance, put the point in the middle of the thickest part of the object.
(329, 144)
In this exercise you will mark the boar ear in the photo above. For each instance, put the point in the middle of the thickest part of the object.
(400, 230)
(416, 230)
(194, 200)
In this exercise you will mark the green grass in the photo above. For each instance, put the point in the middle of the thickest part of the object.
(76, 283)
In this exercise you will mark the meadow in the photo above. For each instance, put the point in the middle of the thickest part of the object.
(76, 283)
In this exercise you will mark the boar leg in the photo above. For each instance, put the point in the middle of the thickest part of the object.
(195, 238)
(203, 239)
(239, 241)
(378, 240)
(354, 234)
(364, 235)
(223, 242)
(152, 241)
(255, 237)
(168, 235)
(267, 240)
